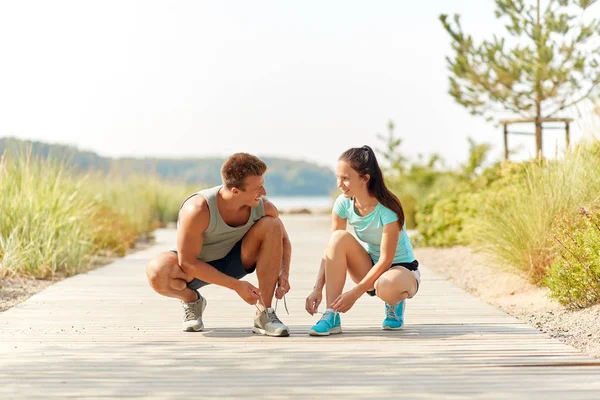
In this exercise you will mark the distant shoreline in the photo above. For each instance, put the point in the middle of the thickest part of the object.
(302, 210)
(302, 204)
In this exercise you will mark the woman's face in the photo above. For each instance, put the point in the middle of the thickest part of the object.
(349, 181)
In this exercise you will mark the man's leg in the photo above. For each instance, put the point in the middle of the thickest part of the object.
(263, 246)
(167, 278)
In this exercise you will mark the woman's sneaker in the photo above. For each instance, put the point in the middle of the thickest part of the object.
(192, 320)
(394, 316)
(329, 324)
(267, 323)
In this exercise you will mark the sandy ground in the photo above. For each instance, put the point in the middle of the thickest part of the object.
(512, 293)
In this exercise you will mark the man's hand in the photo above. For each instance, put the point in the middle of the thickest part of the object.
(248, 292)
(345, 301)
(313, 300)
(283, 286)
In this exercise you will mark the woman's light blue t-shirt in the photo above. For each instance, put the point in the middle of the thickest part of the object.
(369, 229)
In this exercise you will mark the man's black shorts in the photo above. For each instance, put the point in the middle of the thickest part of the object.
(230, 265)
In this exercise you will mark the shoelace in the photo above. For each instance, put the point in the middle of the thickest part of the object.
(325, 316)
(284, 305)
(276, 302)
(272, 316)
(390, 312)
(190, 313)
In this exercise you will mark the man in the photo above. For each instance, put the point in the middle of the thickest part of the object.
(224, 233)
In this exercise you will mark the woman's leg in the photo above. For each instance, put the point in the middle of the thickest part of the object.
(344, 253)
(395, 285)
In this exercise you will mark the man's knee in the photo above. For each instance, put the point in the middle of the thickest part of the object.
(271, 226)
(157, 274)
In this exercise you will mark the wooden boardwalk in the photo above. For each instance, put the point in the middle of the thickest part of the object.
(106, 334)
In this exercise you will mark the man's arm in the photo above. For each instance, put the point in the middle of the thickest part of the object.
(194, 218)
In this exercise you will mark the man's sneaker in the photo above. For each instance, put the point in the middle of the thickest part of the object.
(192, 321)
(394, 316)
(329, 323)
(267, 323)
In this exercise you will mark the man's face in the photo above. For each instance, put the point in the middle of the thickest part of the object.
(254, 189)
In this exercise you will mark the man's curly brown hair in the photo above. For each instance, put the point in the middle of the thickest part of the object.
(238, 167)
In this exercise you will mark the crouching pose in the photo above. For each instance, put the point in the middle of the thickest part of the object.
(223, 234)
(380, 262)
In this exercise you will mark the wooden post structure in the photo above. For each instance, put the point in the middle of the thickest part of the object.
(538, 130)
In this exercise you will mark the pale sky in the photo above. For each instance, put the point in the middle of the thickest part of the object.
(299, 79)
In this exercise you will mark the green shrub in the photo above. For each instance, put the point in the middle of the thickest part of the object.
(441, 217)
(574, 276)
(517, 212)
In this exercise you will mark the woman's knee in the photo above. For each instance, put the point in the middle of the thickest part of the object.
(337, 243)
(388, 290)
(338, 238)
(383, 284)
(393, 287)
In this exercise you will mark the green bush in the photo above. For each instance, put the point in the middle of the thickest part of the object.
(574, 276)
(517, 211)
(441, 217)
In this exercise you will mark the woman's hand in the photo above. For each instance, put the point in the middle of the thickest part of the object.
(346, 300)
(313, 300)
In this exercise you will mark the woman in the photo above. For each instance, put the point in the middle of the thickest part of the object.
(385, 267)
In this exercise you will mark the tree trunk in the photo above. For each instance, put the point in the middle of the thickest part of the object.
(538, 130)
(505, 142)
(538, 88)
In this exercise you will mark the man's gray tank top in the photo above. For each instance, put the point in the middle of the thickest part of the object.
(219, 238)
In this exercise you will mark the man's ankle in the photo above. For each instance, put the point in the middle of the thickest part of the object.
(261, 308)
(194, 298)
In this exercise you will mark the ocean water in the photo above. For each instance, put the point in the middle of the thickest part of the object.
(310, 202)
